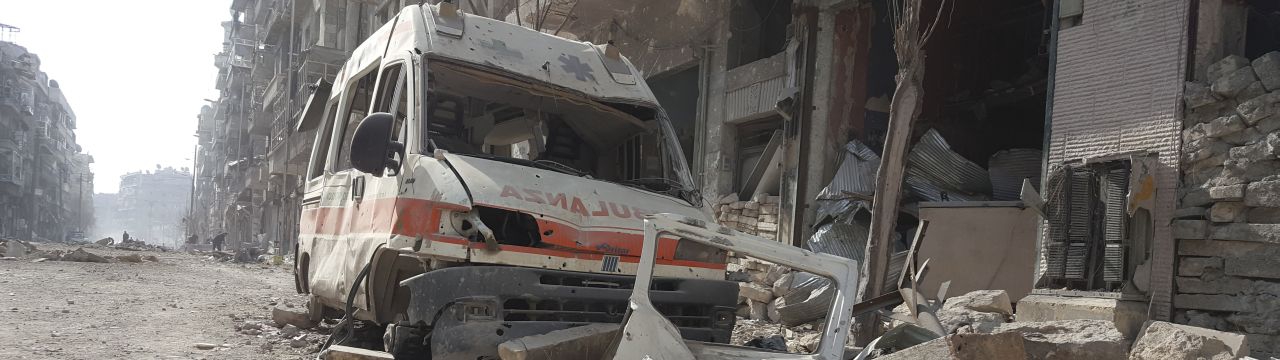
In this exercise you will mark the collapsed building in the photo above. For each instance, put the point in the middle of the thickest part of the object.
(46, 186)
(151, 205)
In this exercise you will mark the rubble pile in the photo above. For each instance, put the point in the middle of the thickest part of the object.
(16, 249)
(756, 217)
(1228, 221)
(289, 327)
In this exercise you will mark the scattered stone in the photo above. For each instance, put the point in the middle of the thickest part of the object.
(79, 255)
(775, 342)
(1070, 339)
(1164, 341)
(298, 342)
(205, 346)
(286, 316)
(1267, 67)
(1231, 84)
(1225, 66)
(151, 258)
(989, 301)
(758, 310)
(252, 332)
(755, 292)
(131, 258)
(289, 331)
(782, 286)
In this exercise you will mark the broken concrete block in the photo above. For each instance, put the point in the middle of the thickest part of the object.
(283, 315)
(1007, 346)
(581, 342)
(755, 292)
(1263, 194)
(1227, 211)
(1198, 94)
(1227, 193)
(79, 255)
(131, 258)
(1225, 66)
(1070, 339)
(782, 286)
(1267, 68)
(1212, 302)
(1221, 127)
(1189, 229)
(990, 301)
(1196, 266)
(1233, 83)
(1163, 341)
(1257, 108)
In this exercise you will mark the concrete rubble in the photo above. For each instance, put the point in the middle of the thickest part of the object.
(1228, 231)
(1165, 341)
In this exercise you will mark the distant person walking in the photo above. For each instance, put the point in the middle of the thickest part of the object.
(218, 240)
(124, 238)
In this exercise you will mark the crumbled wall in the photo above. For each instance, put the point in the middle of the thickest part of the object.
(1228, 221)
(756, 217)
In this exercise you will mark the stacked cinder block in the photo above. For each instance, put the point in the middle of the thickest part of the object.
(1228, 221)
(758, 286)
(756, 217)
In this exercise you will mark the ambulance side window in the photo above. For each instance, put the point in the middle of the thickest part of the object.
(322, 143)
(392, 99)
(361, 92)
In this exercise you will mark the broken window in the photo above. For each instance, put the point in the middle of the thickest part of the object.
(1092, 241)
(472, 113)
(757, 147)
(759, 29)
(360, 94)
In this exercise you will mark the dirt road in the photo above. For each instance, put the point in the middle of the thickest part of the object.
(147, 310)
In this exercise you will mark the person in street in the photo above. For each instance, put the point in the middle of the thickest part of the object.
(193, 239)
(124, 238)
(218, 240)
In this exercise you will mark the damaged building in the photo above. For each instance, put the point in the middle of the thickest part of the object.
(151, 205)
(46, 185)
(1096, 160)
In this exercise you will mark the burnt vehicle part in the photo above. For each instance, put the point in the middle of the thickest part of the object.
(469, 310)
(646, 335)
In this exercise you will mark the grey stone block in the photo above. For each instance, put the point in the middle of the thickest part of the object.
(1212, 302)
(1268, 124)
(1225, 285)
(1267, 149)
(1196, 197)
(1226, 249)
(1252, 91)
(1243, 137)
(1249, 171)
(1218, 128)
(1227, 211)
(1189, 229)
(1198, 95)
(1256, 108)
(1225, 66)
(1190, 213)
(1267, 67)
(1209, 150)
(1263, 194)
(1229, 193)
(1196, 266)
(1256, 323)
(1237, 232)
(1208, 112)
(1263, 215)
(1252, 266)
(1233, 83)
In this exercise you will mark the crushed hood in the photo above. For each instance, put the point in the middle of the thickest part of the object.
(572, 212)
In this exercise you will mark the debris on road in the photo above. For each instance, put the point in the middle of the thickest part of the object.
(284, 315)
(79, 255)
(205, 346)
(1163, 341)
(339, 352)
(587, 342)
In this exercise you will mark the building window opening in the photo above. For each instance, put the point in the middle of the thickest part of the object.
(758, 29)
(1092, 242)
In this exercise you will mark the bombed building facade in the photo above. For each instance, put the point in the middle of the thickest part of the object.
(152, 205)
(1133, 187)
(46, 185)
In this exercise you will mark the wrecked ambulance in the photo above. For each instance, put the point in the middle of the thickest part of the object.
(474, 181)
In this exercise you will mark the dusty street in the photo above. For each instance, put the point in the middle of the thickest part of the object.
(146, 310)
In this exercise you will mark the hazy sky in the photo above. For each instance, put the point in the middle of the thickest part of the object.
(135, 72)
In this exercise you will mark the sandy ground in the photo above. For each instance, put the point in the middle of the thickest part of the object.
(149, 310)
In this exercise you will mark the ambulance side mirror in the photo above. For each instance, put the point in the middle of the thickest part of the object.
(372, 149)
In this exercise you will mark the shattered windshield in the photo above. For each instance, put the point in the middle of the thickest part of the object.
(474, 113)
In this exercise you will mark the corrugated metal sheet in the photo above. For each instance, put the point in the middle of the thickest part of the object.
(856, 175)
(1008, 168)
(935, 173)
(1118, 85)
(755, 99)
